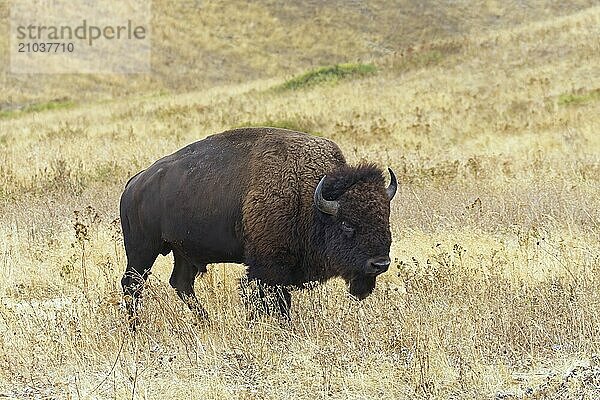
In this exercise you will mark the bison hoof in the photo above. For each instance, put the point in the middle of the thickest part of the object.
(132, 322)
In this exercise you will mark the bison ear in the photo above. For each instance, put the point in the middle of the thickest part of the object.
(391, 190)
(325, 206)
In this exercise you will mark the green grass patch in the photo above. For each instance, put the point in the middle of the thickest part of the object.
(330, 74)
(292, 125)
(579, 97)
(37, 107)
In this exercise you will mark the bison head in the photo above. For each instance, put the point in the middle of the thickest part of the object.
(353, 227)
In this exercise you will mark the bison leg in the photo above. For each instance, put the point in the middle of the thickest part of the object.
(284, 301)
(138, 269)
(182, 280)
(266, 299)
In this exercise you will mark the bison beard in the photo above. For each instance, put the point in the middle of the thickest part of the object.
(361, 286)
(286, 204)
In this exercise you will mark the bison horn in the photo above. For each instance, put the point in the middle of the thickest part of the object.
(391, 190)
(326, 206)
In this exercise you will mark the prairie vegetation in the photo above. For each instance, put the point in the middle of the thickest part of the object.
(489, 118)
(331, 75)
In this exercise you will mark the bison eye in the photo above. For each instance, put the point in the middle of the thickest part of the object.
(347, 228)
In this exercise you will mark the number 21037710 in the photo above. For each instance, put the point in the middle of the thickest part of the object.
(45, 47)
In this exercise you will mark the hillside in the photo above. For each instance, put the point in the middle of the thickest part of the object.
(491, 123)
(202, 44)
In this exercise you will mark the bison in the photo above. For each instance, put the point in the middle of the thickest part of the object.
(284, 203)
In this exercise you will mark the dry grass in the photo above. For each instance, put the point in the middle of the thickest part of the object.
(494, 288)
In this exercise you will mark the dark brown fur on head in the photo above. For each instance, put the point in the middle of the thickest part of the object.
(359, 231)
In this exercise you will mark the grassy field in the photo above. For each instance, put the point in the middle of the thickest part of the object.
(489, 115)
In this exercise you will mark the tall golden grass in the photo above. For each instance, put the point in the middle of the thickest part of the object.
(494, 289)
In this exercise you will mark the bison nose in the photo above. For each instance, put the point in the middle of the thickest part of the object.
(379, 265)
